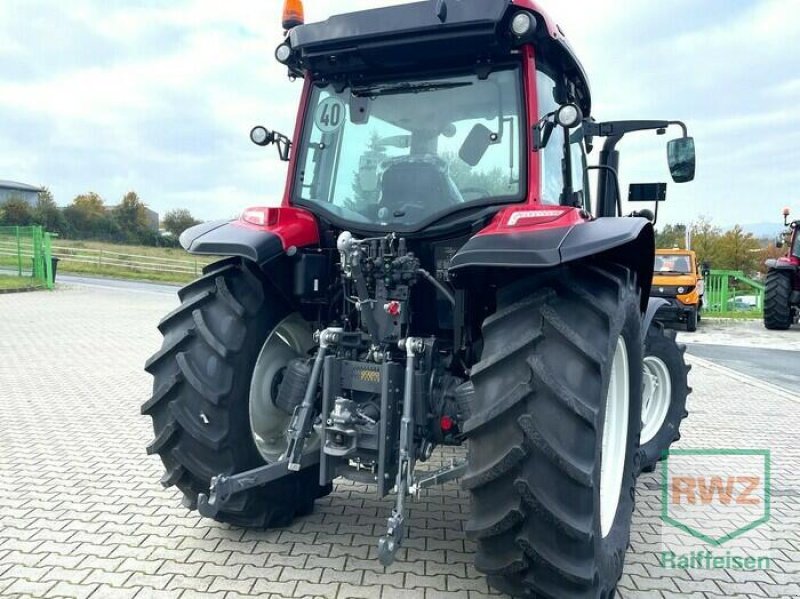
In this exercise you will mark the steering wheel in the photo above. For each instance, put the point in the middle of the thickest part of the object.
(481, 191)
(400, 211)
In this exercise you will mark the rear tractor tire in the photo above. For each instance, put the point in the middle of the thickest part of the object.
(554, 434)
(208, 375)
(777, 300)
(664, 397)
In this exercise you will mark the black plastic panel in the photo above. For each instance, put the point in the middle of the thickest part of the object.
(223, 238)
(551, 247)
(409, 19)
(540, 248)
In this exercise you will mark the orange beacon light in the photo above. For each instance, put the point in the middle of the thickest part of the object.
(293, 14)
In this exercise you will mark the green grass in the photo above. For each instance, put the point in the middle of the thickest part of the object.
(116, 261)
(9, 282)
(141, 250)
(112, 272)
(116, 271)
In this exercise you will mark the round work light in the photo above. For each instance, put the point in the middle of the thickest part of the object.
(521, 24)
(260, 136)
(283, 53)
(569, 115)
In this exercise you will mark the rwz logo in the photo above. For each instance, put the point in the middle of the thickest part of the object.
(705, 490)
(716, 494)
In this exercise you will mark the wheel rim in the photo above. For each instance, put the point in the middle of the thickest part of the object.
(615, 437)
(292, 338)
(656, 397)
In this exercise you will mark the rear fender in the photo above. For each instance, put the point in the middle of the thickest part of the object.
(626, 241)
(653, 306)
(780, 264)
(284, 229)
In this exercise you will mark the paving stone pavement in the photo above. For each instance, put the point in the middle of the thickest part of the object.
(82, 513)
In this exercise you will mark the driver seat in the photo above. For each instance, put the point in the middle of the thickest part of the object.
(415, 182)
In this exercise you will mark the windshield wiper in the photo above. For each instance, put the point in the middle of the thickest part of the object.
(406, 88)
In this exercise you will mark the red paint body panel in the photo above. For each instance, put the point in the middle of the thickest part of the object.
(532, 107)
(294, 227)
(500, 224)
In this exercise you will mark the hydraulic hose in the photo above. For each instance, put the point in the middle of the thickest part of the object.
(444, 290)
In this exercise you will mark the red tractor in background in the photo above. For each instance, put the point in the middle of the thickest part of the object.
(437, 274)
(782, 293)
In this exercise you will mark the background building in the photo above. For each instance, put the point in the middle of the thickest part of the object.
(23, 191)
(152, 219)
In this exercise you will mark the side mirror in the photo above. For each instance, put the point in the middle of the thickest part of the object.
(681, 158)
(647, 192)
(705, 269)
(476, 144)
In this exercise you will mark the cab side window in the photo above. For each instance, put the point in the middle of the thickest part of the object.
(552, 156)
(553, 165)
(580, 184)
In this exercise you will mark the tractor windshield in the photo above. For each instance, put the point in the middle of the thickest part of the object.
(401, 154)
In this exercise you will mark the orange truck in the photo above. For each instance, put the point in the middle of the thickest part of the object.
(678, 279)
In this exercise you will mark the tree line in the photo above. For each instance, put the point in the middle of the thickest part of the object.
(89, 218)
(733, 249)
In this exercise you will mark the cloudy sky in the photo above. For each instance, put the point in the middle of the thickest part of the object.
(158, 96)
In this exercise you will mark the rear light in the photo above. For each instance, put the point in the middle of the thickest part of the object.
(260, 216)
(393, 308)
(446, 424)
(522, 218)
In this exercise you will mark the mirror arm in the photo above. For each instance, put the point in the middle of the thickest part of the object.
(613, 171)
(617, 129)
(682, 125)
(541, 133)
(567, 170)
(283, 144)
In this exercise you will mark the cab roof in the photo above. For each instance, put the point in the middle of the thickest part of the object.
(429, 35)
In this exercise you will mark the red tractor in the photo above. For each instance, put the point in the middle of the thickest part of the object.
(436, 274)
(782, 293)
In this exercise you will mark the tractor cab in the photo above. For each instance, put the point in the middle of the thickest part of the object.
(424, 114)
(443, 113)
